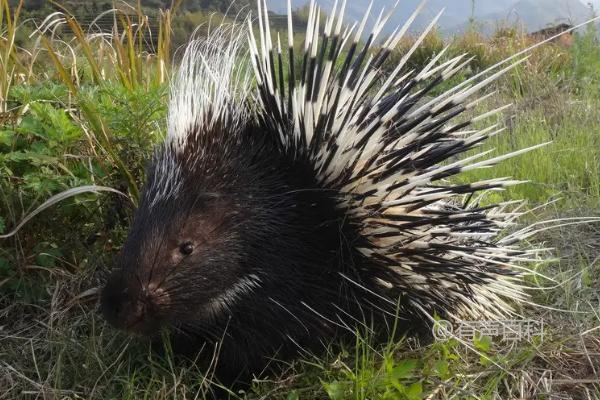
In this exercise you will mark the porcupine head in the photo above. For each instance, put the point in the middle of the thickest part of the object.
(291, 203)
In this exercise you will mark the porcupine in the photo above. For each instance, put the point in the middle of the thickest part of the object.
(293, 203)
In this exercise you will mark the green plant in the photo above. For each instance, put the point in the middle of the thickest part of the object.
(10, 65)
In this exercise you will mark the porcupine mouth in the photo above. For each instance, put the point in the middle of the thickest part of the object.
(136, 314)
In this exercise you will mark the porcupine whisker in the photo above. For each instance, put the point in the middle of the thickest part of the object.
(360, 323)
(290, 313)
(154, 261)
(323, 317)
(365, 288)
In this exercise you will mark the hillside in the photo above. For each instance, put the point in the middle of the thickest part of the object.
(531, 14)
(186, 5)
(190, 14)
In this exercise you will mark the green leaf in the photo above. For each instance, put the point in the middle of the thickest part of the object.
(335, 390)
(442, 369)
(404, 369)
(586, 278)
(13, 156)
(56, 123)
(6, 137)
(415, 391)
(38, 183)
(483, 343)
(2, 225)
(48, 258)
(36, 158)
(293, 395)
(5, 268)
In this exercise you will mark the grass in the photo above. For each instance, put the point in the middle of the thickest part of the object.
(80, 109)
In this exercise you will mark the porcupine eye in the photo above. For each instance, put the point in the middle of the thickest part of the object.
(186, 248)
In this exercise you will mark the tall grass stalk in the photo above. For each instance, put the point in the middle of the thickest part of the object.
(123, 54)
(9, 62)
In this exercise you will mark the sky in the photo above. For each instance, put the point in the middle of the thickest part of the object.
(595, 3)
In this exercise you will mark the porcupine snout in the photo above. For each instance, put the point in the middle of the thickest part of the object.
(132, 308)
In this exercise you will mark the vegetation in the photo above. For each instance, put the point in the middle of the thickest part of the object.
(80, 109)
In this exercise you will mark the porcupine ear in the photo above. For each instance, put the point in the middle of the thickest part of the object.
(388, 150)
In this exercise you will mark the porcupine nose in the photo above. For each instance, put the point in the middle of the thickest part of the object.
(125, 308)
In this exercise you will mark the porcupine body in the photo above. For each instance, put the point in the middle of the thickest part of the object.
(280, 215)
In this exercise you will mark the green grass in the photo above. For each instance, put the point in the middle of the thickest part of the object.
(93, 118)
(569, 166)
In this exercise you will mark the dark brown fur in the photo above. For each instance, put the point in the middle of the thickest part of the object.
(249, 210)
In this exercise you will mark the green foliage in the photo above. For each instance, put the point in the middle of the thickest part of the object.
(386, 374)
(50, 149)
(585, 71)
